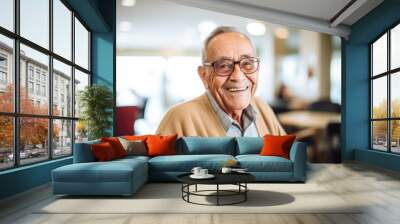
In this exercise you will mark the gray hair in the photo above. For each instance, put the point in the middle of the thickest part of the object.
(217, 31)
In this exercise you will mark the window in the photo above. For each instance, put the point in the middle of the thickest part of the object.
(3, 71)
(385, 95)
(44, 91)
(30, 72)
(7, 14)
(37, 74)
(62, 29)
(30, 87)
(3, 61)
(45, 131)
(81, 45)
(7, 88)
(34, 21)
(38, 89)
(3, 78)
(62, 74)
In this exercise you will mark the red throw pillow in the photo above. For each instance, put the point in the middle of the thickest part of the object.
(116, 145)
(103, 151)
(277, 145)
(159, 145)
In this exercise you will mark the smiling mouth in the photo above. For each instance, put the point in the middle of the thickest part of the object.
(241, 89)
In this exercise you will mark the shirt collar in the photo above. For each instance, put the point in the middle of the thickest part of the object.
(249, 114)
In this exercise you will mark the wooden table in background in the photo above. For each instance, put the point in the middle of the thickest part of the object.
(308, 119)
(311, 124)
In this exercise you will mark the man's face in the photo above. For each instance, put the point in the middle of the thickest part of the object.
(233, 93)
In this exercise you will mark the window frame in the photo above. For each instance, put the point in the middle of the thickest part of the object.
(16, 114)
(388, 74)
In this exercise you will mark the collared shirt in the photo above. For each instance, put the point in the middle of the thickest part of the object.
(231, 126)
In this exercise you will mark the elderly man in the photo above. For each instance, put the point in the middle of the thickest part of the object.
(228, 107)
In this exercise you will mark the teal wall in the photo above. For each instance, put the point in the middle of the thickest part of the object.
(355, 95)
(99, 16)
(104, 52)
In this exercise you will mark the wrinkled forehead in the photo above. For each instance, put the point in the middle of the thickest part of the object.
(229, 45)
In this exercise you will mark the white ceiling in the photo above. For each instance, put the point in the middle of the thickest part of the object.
(172, 24)
(159, 24)
(320, 9)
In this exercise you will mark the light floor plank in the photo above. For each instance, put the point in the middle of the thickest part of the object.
(376, 189)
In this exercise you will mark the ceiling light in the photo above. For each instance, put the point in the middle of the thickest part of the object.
(128, 3)
(125, 26)
(281, 33)
(256, 29)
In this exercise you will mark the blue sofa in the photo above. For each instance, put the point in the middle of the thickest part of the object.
(125, 176)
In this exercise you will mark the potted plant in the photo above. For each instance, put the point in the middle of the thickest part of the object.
(96, 102)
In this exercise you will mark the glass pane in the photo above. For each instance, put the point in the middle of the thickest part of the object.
(81, 45)
(379, 55)
(395, 136)
(81, 81)
(62, 138)
(6, 142)
(33, 139)
(6, 74)
(395, 94)
(395, 47)
(81, 131)
(35, 21)
(62, 89)
(62, 29)
(379, 135)
(34, 82)
(7, 14)
(379, 98)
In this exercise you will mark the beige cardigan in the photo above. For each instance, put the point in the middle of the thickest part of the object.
(197, 118)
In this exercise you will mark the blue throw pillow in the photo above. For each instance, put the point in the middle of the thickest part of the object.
(249, 145)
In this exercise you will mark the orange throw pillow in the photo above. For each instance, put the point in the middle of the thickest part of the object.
(103, 151)
(277, 145)
(116, 145)
(159, 145)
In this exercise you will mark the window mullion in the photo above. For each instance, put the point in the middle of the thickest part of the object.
(16, 84)
(50, 79)
(73, 82)
(389, 94)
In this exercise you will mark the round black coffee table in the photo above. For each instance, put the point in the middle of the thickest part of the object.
(238, 179)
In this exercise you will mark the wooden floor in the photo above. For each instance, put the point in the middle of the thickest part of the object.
(378, 188)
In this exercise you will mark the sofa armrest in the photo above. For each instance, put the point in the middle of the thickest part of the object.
(83, 152)
(298, 155)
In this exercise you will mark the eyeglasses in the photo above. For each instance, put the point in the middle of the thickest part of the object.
(225, 67)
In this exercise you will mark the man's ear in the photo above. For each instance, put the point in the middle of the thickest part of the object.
(202, 74)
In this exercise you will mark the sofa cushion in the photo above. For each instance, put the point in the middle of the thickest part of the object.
(185, 163)
(206, 145)
(111, 171)
(161, 145)
(257, 163)
(249, 145)
(116, 145)
(103, 152)
(134, 147)
(277, 145)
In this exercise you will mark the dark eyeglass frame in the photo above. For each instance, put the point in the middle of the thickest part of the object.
(234, 63)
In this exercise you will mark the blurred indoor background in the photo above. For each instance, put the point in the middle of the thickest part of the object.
(158, 54)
